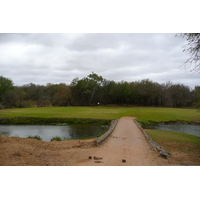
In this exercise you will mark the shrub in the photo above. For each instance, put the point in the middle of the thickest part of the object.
(56, 138)
(35, 137)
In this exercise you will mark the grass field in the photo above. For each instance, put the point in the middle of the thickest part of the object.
(174, 141)
(143, 114)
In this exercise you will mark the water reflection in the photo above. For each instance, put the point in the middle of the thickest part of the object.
(182, 128)
(47, 132)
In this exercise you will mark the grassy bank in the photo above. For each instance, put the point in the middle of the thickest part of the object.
(52, 120)
(174, 141)
(143, 114)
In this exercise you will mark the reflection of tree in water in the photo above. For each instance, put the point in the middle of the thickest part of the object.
(48, 132)
(85, 130)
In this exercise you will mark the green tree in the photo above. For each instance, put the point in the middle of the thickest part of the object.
(196, 96)
(94, 83)
(122, 93)
(106, 89)
(86, 87)
(146, 93)
(10, 98)
(180, 95)
(62, 97)
(6, 84)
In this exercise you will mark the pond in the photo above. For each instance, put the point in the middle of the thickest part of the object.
(47, 132)
(182, 128)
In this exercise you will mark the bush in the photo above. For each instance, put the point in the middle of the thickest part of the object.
(56, 138)
(35, 137)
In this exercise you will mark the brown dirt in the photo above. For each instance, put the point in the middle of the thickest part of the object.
(126, 146)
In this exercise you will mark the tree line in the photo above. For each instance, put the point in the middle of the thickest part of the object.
(95, 90)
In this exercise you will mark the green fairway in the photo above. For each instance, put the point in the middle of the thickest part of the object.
(143, 114)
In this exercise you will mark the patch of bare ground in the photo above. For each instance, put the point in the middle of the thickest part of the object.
(186, 159)
(182, 154)
(16, 151)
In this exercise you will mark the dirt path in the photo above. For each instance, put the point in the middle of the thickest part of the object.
(125, 146)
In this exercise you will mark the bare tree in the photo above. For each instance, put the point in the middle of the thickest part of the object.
(193, 48)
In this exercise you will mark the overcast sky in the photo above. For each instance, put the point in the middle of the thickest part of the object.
(58, 58)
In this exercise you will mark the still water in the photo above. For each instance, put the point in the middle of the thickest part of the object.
(47, 132)
(182, 128)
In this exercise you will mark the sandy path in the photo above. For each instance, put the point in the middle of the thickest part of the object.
(126, 142)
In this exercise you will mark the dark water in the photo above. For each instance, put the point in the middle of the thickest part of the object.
(182, 128)
(47, 132)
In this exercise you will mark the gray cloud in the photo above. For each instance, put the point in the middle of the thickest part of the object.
(94, 42)
(56, 58)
